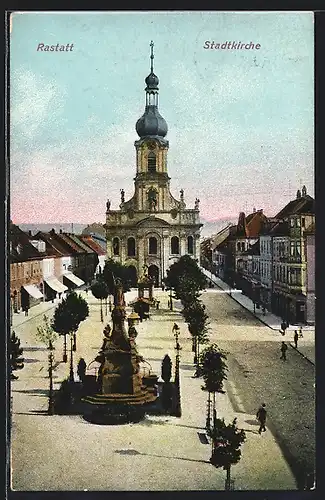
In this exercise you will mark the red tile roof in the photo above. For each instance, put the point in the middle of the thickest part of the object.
(92, 244)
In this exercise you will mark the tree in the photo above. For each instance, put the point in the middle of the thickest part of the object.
(227, 440)
(48, 336)
(113, 270)
(213, 369)
(185, 278)
(197, 320)
(67, 318)
(16, 359)
(100, 291)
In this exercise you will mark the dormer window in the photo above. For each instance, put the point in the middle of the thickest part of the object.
(152, 162)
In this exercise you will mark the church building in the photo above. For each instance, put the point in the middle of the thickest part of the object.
(152, 229)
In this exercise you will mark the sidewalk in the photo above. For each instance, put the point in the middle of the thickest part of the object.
(306, 345)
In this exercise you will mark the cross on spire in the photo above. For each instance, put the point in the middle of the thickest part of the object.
(152, 55)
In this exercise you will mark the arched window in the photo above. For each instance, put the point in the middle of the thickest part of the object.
(116, 246)
(238, 247)
(153, 245)
(174, 243)
(243, 246)
(151, 162)
(131, 247)
(190, 245)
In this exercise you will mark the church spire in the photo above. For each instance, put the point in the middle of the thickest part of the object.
(151, 123)
(152, 55)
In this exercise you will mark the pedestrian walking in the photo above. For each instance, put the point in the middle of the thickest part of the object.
(284, 326)
(300, 332)
(261, 417)
(295, 339)
(284, 348)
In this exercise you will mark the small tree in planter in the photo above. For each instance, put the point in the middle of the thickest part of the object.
(197, 320)
(166, 373)
(213, 369)
(47, 335)
(16, 359)
(226, 440)
(100, 291)
(67, 318)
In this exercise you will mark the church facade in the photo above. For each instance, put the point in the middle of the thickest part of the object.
(152, 229)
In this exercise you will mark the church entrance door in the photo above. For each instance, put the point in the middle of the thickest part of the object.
(153, 272)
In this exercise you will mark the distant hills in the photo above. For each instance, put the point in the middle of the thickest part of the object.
(209, 228)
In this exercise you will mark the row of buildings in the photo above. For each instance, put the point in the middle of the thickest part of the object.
(271, 259)
(45, 265)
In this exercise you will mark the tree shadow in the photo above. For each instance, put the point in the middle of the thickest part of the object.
(31, 349)
(40, 392)
(40, 413)
(135, 452)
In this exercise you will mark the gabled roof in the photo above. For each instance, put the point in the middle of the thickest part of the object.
(93, 244)
(21, 248)
(53, 246)
(70, 243)
(81, 243)
(302, 205)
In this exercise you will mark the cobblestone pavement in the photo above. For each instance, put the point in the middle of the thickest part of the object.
(161, 452)
(256, 375)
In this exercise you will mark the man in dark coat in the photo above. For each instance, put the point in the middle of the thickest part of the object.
(295, 339)
(284, 348)
(261, 417)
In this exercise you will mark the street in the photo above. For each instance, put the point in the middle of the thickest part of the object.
(258, 375)
(66, 453)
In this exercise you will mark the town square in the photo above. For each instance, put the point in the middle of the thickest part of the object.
(161, 295)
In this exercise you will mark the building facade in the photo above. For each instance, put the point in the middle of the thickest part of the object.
(153, 228)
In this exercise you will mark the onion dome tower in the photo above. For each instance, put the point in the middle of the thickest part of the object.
(151, 123)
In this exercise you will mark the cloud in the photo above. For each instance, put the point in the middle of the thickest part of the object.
(35, 101)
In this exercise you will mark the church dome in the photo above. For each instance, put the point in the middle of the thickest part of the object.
(152, 81)
(151, 123)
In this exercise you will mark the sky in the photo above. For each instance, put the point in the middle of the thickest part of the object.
(240, 122)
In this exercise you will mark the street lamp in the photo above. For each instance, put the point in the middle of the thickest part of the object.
(51, 359)
(177, 405)
(71, 377)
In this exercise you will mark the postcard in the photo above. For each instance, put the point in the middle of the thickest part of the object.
(162, 251)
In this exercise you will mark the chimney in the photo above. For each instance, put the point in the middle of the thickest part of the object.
(29, 232)
(52, 231)
(60, 231)
(254, 210)
(260, 210)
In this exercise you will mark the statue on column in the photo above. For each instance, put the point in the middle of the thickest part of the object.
(108, 205)
(122, 196)
(182, 194)
(196, 205)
